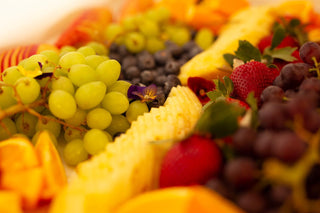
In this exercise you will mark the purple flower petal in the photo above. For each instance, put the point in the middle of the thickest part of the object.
(134, 90)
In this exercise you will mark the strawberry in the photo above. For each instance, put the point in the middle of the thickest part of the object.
(192, 161)
(252, 76)
(287, 41)
(239, 102)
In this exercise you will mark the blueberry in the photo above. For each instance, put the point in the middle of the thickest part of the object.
(172, 81)
(146, 77)
(172, 67)
(160, 80)
(145, 61)
(132, 72)
(128, 61)
(162, 56)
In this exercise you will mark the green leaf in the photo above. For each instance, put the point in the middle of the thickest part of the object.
(229, 58)
(282, 53)
(278, 37)
(247, 52)
(222, 88)
(252, 102)
(214, 95)
(219, 119)
(228, 84)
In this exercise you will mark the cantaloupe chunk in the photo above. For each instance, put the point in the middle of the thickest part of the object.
(250, 24)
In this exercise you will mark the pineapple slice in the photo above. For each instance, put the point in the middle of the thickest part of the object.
(250, 24)
(131, 164)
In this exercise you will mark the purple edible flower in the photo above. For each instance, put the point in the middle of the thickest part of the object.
(145, 94)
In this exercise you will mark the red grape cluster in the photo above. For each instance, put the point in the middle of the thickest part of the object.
(292, 101)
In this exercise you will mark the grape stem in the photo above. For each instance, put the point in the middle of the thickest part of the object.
(317, 66)
(20, 107)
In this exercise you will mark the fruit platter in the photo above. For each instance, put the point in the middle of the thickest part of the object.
(165, 106)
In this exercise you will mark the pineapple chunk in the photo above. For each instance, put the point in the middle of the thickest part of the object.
(250, 24)
(130, 165)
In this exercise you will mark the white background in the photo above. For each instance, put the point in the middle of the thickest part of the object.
(36, 21)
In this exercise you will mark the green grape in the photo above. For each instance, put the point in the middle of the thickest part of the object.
(115, 102)
(62, 104)
(149, 28)
(74, 152)
(62, 83)
(71, 134)
(80, 74)
(204, 38)
(47, 123)
(136, 108)
(119, 86)
(98, 118)
(28, 89)
(95, 141)
(180, 36)
(119, 124)
(109, 136)
(160, 14)
(135, 42)
(78, 118)
(26, 124)
(86, 50)
(20, 135)
(109, 71)
(60, 72)
(11, 75)
(66, 49)
(7, 128)
(53, 56)
(94, 60)
(99, 48)
(6, 97)
(129, 23)
(44, 82)
(29, 64)
(89, 95)
(113, 31)
(71, 58)
(154, 44)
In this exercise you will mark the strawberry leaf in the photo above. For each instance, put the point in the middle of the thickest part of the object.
(228, 84)
(229, 58)
(284, 53)
(247, 52)
(278, 36)
(214, 95)
(219, 119)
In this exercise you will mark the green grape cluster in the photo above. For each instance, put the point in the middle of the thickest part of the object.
(147, 31)
(74, 93)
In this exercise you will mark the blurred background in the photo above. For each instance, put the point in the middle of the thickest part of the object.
(37, 21)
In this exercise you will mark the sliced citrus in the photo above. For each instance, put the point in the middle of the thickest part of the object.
(11, 198)
(179, 200)
(17, 154)
(28, 183)
(53, 170)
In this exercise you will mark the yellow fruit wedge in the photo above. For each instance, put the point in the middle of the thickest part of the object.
(250, 24)
(130, 165)
(10, 202)
(53, 170)
(179, 200)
